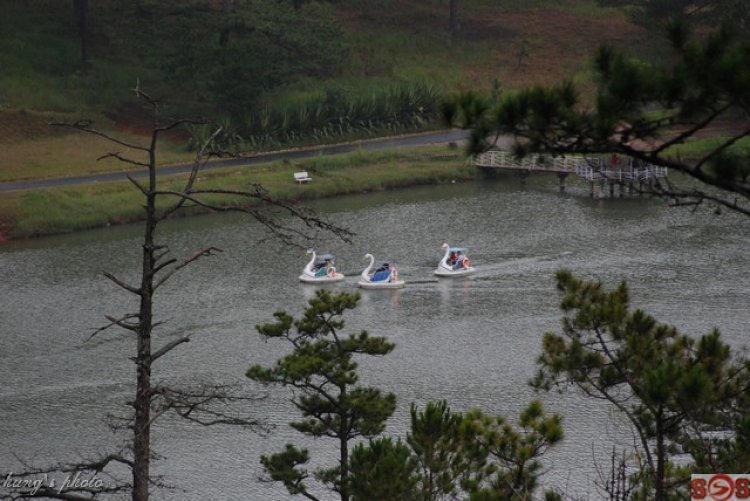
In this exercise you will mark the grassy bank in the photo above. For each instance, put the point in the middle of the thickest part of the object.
(66, 209)
(499, 47)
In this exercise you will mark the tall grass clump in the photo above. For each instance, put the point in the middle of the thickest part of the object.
(332, 115)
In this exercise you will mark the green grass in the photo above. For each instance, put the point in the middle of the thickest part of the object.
(699, 148)
(55, 152)
(388, 42)
(67, 209)
(393, 42)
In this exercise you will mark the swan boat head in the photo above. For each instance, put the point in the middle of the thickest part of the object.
(366, 271)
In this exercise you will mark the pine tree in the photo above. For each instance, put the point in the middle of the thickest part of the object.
(680, 394)
(451, 455)
(323, 372)
(640, 110)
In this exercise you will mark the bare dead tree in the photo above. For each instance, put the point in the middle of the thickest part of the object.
(618, 482)
(206, 405)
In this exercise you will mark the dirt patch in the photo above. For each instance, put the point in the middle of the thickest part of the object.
(18, 126)
(6, 225)
(545, 44)
(138, 120)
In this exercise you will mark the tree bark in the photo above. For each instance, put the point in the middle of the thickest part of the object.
(454, 26)
(80, 12)
(344, 446)
(661, 459)
(142, 404)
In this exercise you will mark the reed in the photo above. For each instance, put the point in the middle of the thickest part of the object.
(334, 114)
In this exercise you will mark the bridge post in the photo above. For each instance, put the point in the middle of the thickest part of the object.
(562, 176)
(523, 175)
(600, 188)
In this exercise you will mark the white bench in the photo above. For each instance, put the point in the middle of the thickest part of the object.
(302, 177)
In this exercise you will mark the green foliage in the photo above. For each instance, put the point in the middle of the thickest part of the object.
(334, 114)
(513, 454)
(382, 469)
(438, 446)
(322, 370)
(707, 83)
(283, 467)
(451, 455)
(192, 51)
(655, 15)
(677, 392)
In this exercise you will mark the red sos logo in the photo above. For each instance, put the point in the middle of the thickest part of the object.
(720, 487)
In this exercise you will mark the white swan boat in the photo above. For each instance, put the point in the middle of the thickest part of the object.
(454, 262)
(320, 270)
(385, 277)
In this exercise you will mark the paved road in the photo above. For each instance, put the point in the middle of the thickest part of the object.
(373, 144)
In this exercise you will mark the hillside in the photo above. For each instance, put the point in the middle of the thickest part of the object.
(515, 44)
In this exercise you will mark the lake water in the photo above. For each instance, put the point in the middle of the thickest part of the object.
(470, 341)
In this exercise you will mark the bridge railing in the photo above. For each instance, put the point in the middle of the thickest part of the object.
(505, 159)
(590, 168)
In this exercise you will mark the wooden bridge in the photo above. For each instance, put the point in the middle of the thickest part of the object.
(599, 171)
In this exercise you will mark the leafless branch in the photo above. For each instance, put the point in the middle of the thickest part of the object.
(208, 405)
(138, 185)
(306, 215)
(118, 156)
(85, 126)
(122, 284)
(169, 347)
(680, 198)
(208, 251)
(83, 481)
(692, 129)
(615, 483)
(121, 322)
(200, 161)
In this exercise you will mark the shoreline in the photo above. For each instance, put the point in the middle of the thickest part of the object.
(66, 209)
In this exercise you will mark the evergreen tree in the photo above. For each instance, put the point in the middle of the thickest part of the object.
(322, 371)
(381, 470)
(450, 455)
(642, 111)
(655, 15)
(444, 460)
(513, 453)
(681, 395)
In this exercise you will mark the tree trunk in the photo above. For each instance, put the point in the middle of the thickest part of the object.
(142, 436)
(454, 16)
(661, 458)
(344, 445)
(142, 404)
(80, 12)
